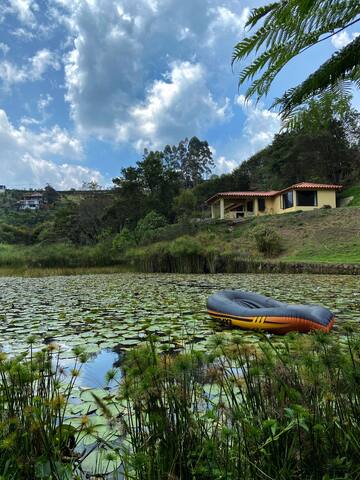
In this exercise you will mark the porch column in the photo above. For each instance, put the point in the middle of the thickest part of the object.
(222, 209)
(255, 206)
(212, 211)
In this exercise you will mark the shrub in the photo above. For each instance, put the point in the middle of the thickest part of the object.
(123, 240)
(148, 225)
(185, 204)
(267, 240)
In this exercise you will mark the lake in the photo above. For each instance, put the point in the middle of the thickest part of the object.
(109, 314)
(118, 311)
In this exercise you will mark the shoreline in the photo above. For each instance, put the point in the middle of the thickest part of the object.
(236, 266)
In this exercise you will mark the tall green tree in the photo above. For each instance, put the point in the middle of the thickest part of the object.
(192, 159)
(285, 29)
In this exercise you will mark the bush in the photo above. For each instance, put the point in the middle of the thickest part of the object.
(267, 240)
(148, 225)
(123, 240)
(185, 204)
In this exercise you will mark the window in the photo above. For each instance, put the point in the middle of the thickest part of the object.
(261, 204)
(287, 200)
(250, 206)
(306, 198)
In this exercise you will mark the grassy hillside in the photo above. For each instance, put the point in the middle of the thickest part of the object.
(321, 236)
(325, 235)
(353, 192)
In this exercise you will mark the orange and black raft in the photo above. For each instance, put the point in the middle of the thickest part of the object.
(251, 311)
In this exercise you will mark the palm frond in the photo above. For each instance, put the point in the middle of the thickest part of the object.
(342, 67)
(287, 28)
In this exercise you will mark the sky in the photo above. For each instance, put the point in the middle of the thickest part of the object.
(86, 85)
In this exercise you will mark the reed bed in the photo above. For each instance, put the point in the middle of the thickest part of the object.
(265, 410)
(244, 411)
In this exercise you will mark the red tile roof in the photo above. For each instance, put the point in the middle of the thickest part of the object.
(272, 193)
(312, 186)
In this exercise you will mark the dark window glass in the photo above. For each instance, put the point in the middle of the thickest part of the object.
(306, 198)
(261, 204)
(250, 206)
(288, 200)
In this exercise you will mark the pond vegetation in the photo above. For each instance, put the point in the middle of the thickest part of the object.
(237, 404)
(258, 410)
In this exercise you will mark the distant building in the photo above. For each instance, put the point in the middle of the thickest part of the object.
(31, 201)
(2, 188)
(302, 196)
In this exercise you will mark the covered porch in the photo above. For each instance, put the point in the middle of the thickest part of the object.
(234, 208)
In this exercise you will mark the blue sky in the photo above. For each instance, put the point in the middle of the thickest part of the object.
(86, 85)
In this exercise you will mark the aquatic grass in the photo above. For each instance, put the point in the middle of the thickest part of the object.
(267, 410)
(35, 441)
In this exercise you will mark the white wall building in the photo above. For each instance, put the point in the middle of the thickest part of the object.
(31, 201)
(2, 188)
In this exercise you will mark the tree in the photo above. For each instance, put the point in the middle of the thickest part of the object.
(148, 225)
(311, 153)
(185, 204)
(191, 158)
(92, 185)
(285, 29)
(196, 161)
(51, 196)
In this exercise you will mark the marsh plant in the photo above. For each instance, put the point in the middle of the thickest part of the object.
(244, 411)
(35, 441)
(263, 409)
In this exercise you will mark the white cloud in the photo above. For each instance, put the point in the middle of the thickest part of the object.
(24, 10)
(26, 157)
(224, 165)
(122, 51)
(260, 124)
(33, 70)
(341, 39)
(225, 20)
(44, 102)
(258, 130)
(176, 107)
(4, 48)
(40, 62)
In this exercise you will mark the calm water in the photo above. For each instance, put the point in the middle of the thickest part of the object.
(106, 312)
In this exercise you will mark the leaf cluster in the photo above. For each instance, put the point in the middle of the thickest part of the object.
(287, 28)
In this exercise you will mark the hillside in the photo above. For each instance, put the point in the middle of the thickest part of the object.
(320, 236)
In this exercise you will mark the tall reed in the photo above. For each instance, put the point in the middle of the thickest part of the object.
(244, 412)
(35, 441)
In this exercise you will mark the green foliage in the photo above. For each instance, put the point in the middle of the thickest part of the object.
(14, 234)
(250, 411)
(286, 29)
(123, 240)
(353, 192)
(267, 240)
(51, 196)
(35, 442)
(149, 225)
(328, 154)
(185, 204)
(251, 407)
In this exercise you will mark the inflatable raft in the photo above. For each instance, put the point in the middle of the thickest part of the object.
(257, 312)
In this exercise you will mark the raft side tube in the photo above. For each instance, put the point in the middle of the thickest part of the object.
(251, 311)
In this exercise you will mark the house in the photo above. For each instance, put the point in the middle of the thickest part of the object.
(31, 201)
(301, 196)
(2, 188)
